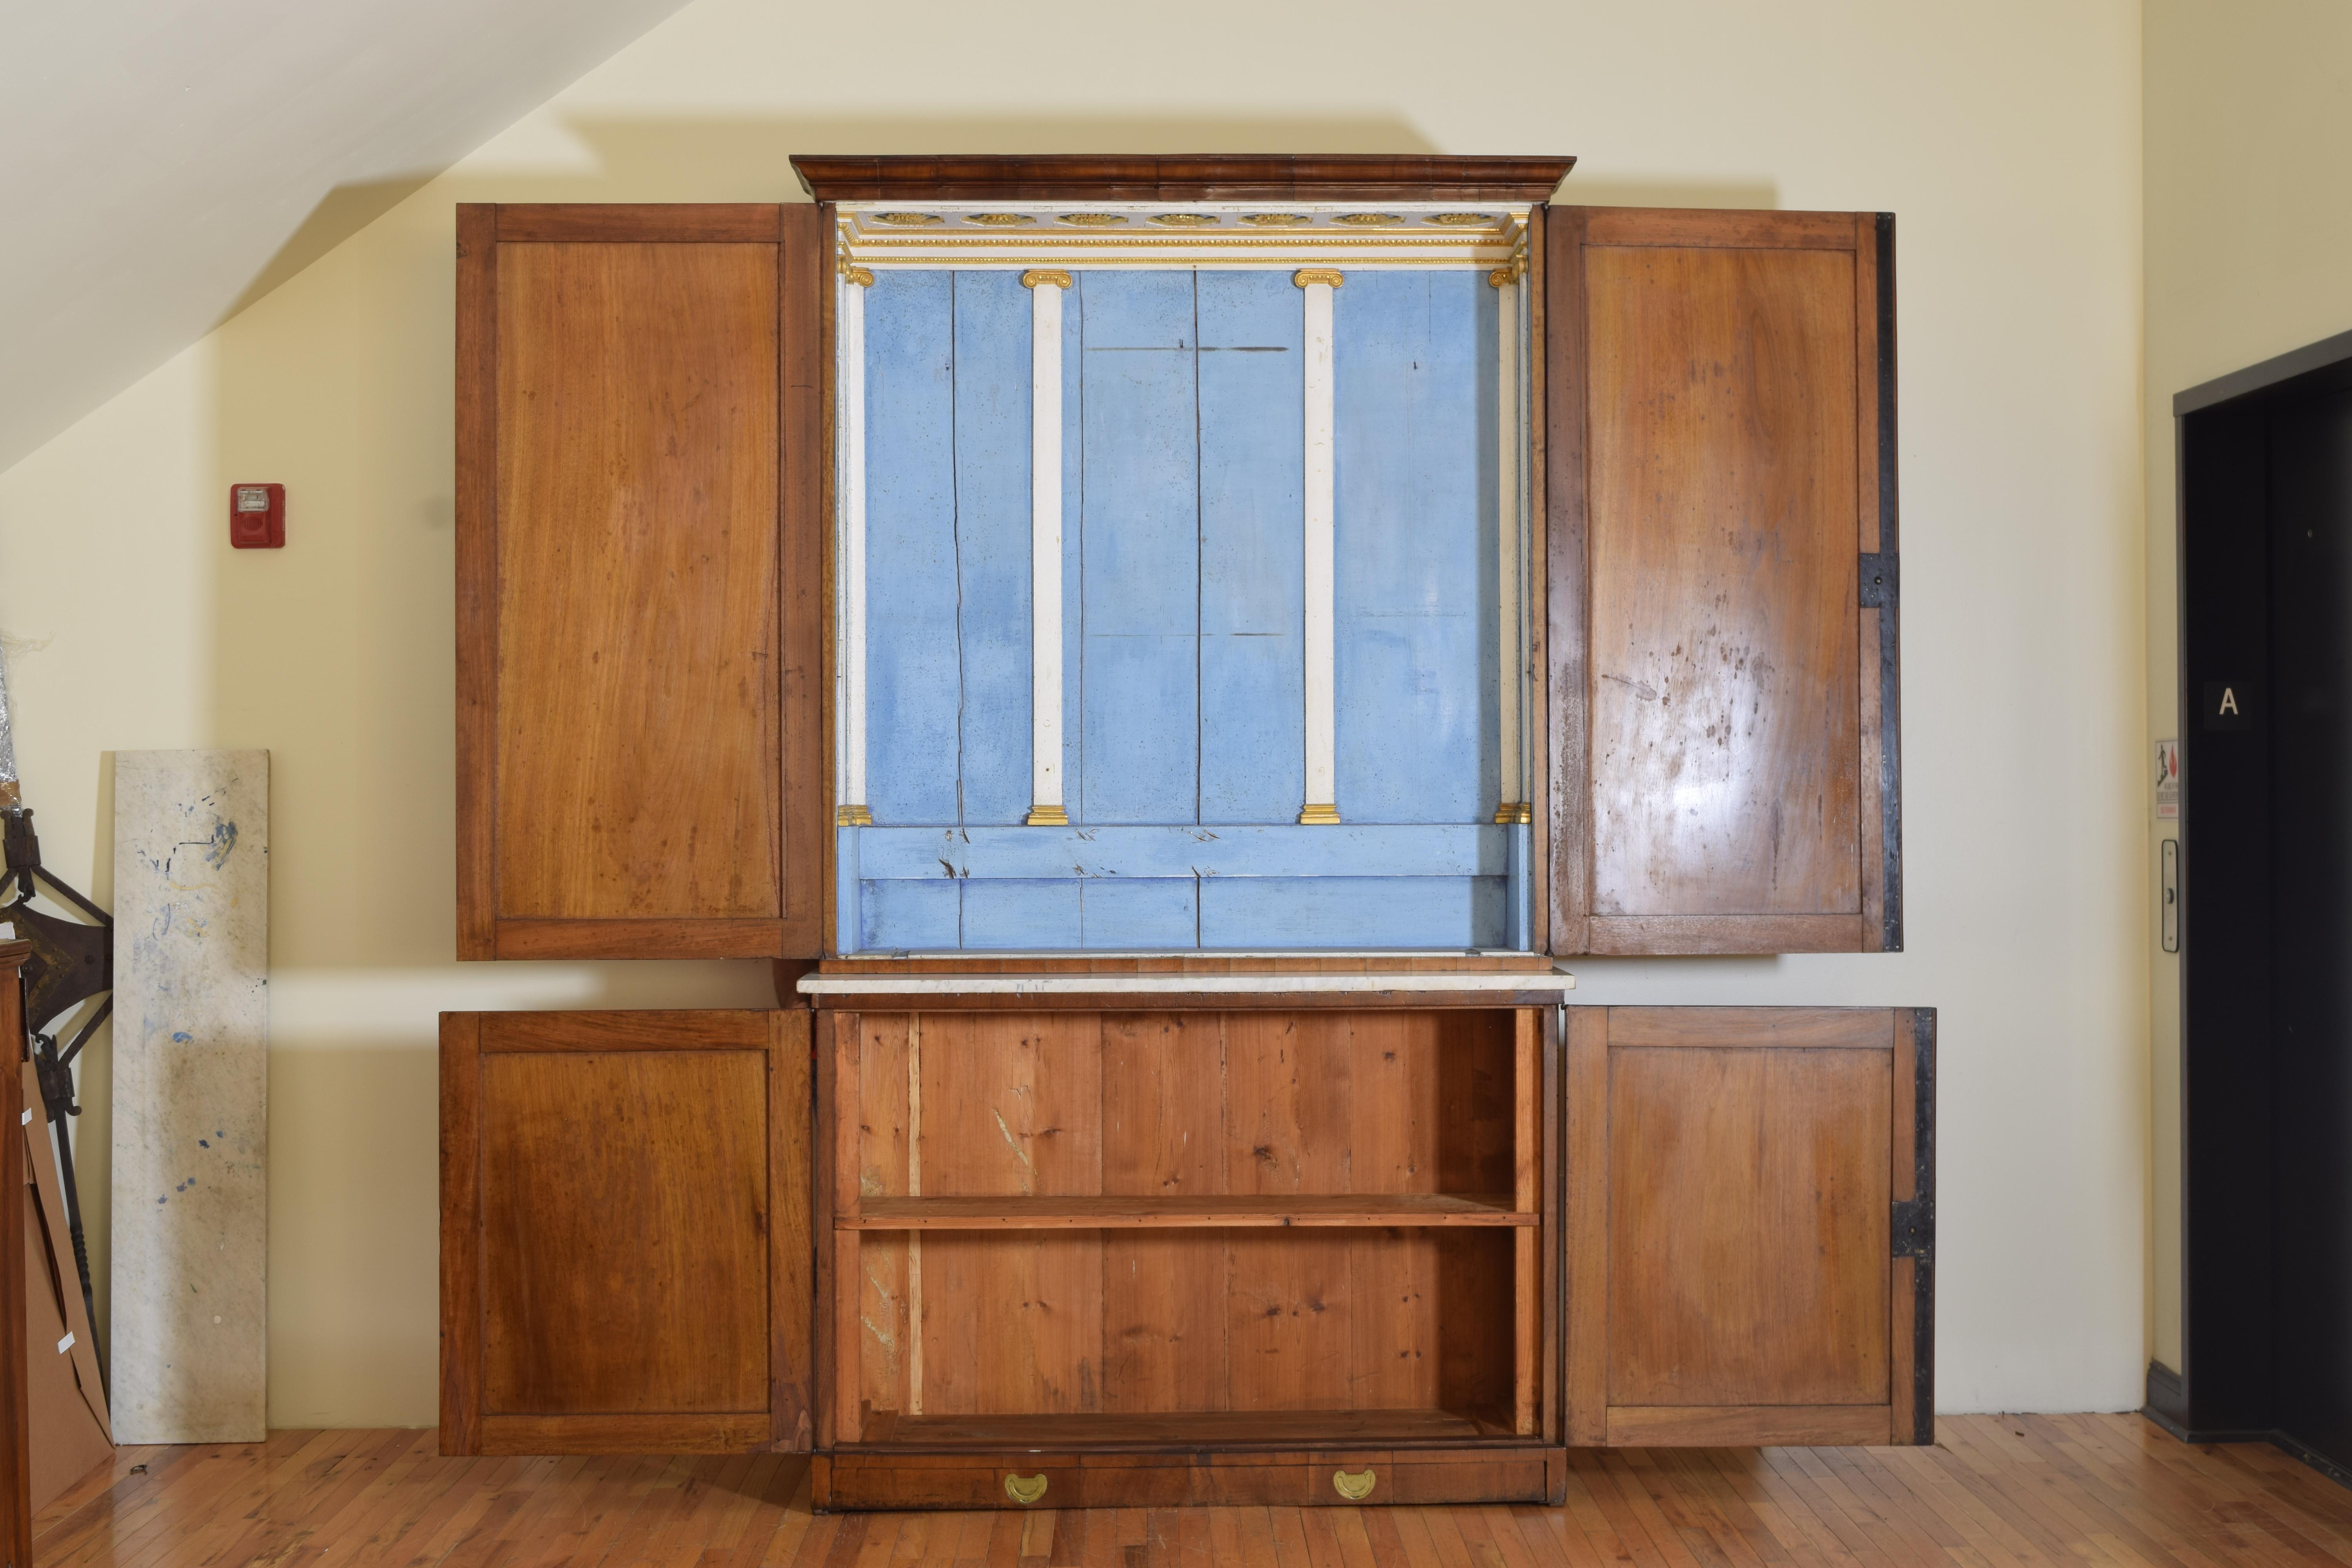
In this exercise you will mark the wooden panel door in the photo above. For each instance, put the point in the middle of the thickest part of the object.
(1750, 1225)
(1721, 553)
(624, 1232)
(640, 482)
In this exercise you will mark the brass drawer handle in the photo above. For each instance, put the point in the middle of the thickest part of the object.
(1356, 1488)
(1028, 1491)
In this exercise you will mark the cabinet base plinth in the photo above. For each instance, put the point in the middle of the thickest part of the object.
(1300, 1477)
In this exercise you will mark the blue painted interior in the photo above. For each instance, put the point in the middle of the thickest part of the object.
(1183, 698)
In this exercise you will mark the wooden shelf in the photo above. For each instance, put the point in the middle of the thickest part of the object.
(1183, 1429)
(1218, 1212)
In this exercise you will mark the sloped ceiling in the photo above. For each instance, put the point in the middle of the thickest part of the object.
(163, 163)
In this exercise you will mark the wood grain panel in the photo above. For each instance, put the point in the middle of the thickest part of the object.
(1164, 1137)
(672, 1030)
(1194, 177)
(624, 1244)
(461, 1233)
(1567, 581)
(637, 937)
(1723, 573)
(887, 1312)
(627, 1231)
(1013, 1106)
(1638, 935)
(1717, 404)
(1584, 1285)
(1812, 1028)
(651, 223)
(638, 769)
(1395, 1128)
(792, 1231)
(1745, 1426)
(15, 1392)
(476, 507)
(1706, 228)
(1748, 1224)
(803, 520)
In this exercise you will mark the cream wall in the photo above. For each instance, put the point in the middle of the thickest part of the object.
(2007, 139)
(2249, 223)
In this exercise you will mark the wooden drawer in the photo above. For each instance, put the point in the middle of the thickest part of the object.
(1290, 1479)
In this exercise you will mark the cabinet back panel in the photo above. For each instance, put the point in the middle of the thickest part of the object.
(1722, 527)
(1183, 681)
(1748, 1202)
(624, 1235)
(638, 769)
(1167, 1106)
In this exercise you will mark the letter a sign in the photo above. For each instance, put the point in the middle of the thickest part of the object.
(2228, 705)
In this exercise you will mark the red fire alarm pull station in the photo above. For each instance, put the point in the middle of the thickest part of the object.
(257, 517)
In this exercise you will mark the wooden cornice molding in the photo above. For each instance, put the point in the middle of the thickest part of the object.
(1225, 177)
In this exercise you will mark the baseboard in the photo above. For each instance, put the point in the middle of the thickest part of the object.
(2167, 1406)
(2168, 1401)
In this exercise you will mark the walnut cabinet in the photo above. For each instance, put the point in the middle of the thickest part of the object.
(1166, 656)
(1191, 1246)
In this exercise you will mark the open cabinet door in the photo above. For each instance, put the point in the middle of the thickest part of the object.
(1750, 1225)
(624, 1232)
(640, 473)
(1720, 479)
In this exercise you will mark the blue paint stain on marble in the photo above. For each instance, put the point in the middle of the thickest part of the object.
(181, 1036)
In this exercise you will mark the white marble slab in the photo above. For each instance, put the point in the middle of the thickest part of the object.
(874, 984)
(190, 1330)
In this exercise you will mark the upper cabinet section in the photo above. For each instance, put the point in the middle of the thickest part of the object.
(1723, 689)
(639, 492)
(1242, 554)
(1182, 575)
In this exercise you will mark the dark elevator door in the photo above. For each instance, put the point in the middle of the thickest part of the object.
(2310, 461)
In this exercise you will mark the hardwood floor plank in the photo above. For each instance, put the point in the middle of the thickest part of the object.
(2038, 1491)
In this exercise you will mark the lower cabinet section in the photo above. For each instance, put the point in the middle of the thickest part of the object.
(1246, 1252)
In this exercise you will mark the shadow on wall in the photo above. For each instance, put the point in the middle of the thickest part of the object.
(336, 653)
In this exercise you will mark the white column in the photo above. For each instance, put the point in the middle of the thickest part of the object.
(1512, 805)
(850, 329)
(1322, 803)
(1046, 286)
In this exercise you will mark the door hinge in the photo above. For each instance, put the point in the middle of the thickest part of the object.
(1915, 1228)
(1878, 582)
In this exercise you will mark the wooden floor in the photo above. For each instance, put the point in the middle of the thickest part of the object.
(2073, 1489)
